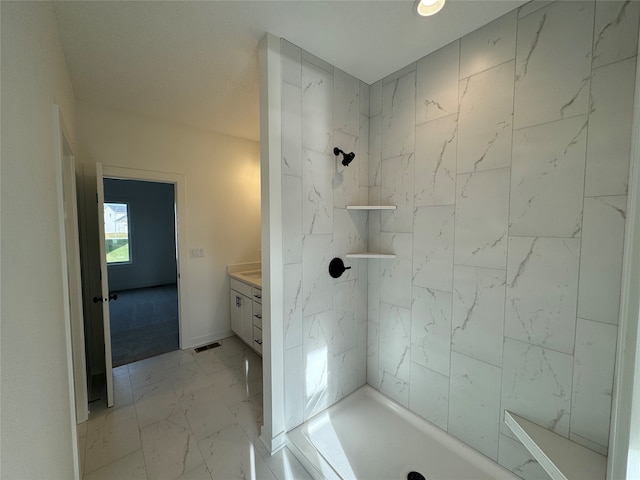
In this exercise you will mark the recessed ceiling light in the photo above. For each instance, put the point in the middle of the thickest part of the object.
(425, 8)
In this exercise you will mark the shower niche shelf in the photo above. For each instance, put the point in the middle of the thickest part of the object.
(560, 457)
(370, 254)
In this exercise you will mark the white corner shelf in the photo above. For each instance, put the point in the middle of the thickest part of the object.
(560, 457)
(370, 255)
(371, 207)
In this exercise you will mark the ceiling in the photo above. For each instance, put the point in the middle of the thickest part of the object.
(196, 63)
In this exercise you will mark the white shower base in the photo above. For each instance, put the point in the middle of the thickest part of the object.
(367, 436)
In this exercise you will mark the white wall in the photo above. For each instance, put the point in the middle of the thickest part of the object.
(222, 200)
(37, 414)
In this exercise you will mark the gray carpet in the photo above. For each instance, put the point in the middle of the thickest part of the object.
(144, 323)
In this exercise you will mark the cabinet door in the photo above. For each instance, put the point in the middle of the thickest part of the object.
(236, 312)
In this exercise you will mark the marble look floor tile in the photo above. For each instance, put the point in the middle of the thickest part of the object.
(474, 403)
(478, 313)
(547, 179)
(131, 467)
(513, 456)
(431, 329)
(122, 392)
(610, 129)
(201, 472)
(615, 32)
(230, 454)
(206, 411)
(481, 218)
(435, 162)
(285, 466)
(542, 291)
(437, 84)
(111, 436)
(147, 372)
(593, 370)
(170, 449)
(176, 358)
(398, 116)
(395, 340)
(536, 385)
(553, 63)
(601, 258)
(485, 120)
(433, 237)
(249, 416)
(156, 402)
(429, 395)
(488, 46)
(210, 361)
(187, 378)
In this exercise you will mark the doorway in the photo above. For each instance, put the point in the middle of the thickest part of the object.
(140, 237)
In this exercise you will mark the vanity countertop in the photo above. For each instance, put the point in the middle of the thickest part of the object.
(252, 277)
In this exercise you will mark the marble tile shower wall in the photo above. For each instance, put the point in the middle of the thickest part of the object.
(325, 319)
(507, 155)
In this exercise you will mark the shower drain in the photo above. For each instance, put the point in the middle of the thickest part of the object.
(415, 476)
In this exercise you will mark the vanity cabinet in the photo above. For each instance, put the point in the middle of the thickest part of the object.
(246, 313)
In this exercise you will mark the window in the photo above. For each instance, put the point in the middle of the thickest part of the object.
(116, 232)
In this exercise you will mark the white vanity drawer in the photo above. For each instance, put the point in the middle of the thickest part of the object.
(241, 287)
(256, 294)
(257, 314)
(257, 339)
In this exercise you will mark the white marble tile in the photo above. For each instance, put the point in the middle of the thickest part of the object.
(316, 61)
(146, 372)
(373, 347)
(362, 265)
(536, 385)
(343, 372)
(294, 387)
(231, 455)
(399, 73)
(291, 62)
(130, 467)
(478, 313)
(553, 63)
(375, 99)
(395, 340)
(187, 378)
(398, 116)
(122, 392)
(317, 108)
(291, 130)
(615, 31)
(374, 223)
(542, 290)
(363, 161)
(285, 466)
(485, 119)
(532, 6)
(433, 247)
(210, 361)
(429, 395)
(361, 360)
(593, 367)
(201, 472)
(435, 162)
(395, 280)
(481, 218)
(514, 457)
(610, 129)
(111, 436)
(317, 193)
(317, 252)
(205, 409)
(474, 403)
(431, 329)
(318, 332)
(394, 388)
(249, 415)
(365, 99)
(156, 402)
(373, 291)
(345, 316)
(346, 180)
(488, 46)
(601, 258)
(291, 219)
(547, 179)
(170, 449)
(292, 305)
(346, 102)
(375, 150)
(397, 189)
(437, 83)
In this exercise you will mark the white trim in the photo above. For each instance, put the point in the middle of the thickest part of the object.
(273, 430)
(60, 137)
(624, 443)
(180, 183)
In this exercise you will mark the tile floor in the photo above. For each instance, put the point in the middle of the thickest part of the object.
(184, 415)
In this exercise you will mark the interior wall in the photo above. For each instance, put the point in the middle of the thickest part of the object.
(325, 318)
(507, 154)
(152, 234)
(222, 176)
(34, 348)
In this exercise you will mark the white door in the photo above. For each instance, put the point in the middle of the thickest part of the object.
(104, 298)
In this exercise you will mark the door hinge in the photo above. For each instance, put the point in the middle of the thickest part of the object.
(96, 198)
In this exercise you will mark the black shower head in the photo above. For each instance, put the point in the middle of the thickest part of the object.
(347, 158)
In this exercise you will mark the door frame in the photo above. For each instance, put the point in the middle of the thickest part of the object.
(179, 182)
